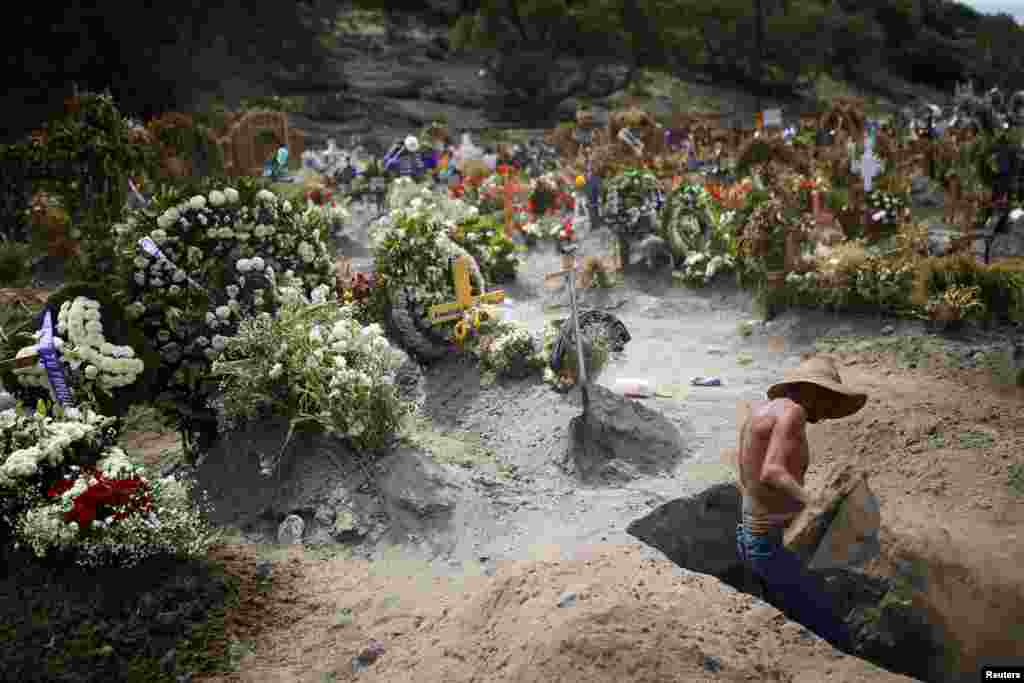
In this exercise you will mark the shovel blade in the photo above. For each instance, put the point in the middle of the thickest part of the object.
(852, 539)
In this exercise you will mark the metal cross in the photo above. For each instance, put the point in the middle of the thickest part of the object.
(571, 274)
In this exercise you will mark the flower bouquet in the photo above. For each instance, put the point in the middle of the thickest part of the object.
(700, 268)
(627, 197)
(887, 208)
(511, 352)
(198, 265)
(314, 363)
(69, 491)
(484, 238)
(108, 364)
(566, 234)
(955, 305)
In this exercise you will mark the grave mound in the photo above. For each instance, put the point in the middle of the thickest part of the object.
(617, 439)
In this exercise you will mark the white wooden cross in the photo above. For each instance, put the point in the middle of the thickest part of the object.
(464, 299)
(871, 166)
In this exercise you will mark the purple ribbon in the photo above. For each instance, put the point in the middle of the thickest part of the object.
(51, 361)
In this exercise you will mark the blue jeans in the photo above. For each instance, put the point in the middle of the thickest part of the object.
(790, 587)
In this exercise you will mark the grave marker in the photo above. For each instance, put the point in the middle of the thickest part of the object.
(571, 273)
(464, 299)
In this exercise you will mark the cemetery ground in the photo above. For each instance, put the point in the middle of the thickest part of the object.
(473, 554)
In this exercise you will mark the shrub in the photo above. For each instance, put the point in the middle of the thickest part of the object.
(1000, 285)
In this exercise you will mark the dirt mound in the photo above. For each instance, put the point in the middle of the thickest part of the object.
(941, 446)
(611, 616)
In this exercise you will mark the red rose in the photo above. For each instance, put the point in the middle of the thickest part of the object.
(60, 487)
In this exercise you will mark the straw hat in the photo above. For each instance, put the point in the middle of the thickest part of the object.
(822, 373)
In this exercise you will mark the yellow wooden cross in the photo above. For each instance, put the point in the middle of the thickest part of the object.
(464, 298)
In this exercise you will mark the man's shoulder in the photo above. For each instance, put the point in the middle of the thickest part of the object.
(776, 407)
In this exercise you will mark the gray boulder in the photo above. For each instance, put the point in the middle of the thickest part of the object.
(290, 531)
(926, 193)
(419, 498)
(1007, 244)
(618, 439)
(940, 238)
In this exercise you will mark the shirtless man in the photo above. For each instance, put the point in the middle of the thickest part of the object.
(772, 460)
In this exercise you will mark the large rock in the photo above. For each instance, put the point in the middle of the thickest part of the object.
(618, 439)
(419, 498)
(1009, 244)
(940, 238)
(389, 82)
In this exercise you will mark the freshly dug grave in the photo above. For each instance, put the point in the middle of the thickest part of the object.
(698, 534)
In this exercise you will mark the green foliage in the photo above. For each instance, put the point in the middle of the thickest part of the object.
(16, 264)
(94, 136)
(314, 365)
(484, 238)
(1016, 478)
(837, 198)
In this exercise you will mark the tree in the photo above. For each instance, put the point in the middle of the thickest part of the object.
(545, 51)
(155, 58)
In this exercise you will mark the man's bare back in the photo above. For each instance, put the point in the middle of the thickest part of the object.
(773, 458)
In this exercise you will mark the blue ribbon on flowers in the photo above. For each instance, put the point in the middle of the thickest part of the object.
(51, 361)
(149, 246)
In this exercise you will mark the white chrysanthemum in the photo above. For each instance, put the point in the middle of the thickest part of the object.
(231, 194)
(217, 198)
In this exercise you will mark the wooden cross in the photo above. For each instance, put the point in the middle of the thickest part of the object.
(23, 362)
(464, 299)
(512, 190)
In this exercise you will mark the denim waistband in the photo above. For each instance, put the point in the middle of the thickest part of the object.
(745, 528)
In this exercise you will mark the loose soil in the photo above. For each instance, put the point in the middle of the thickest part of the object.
(939, 437)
